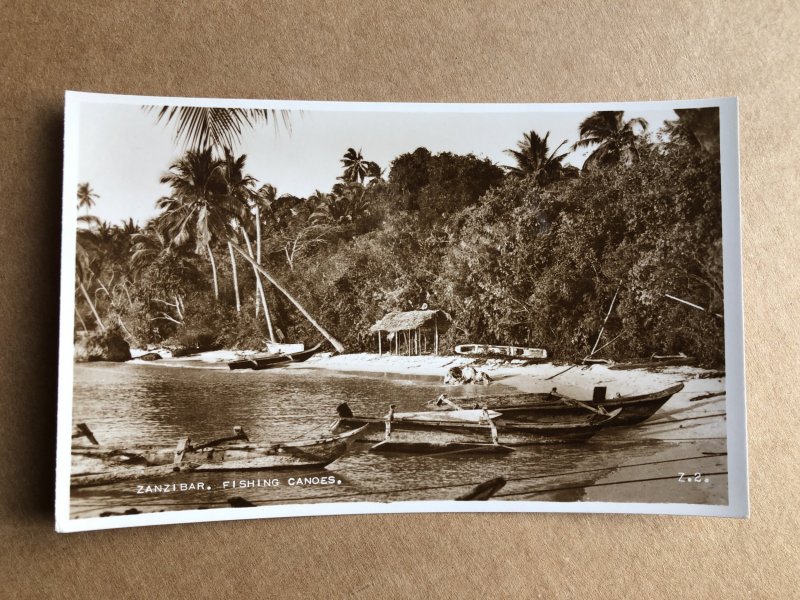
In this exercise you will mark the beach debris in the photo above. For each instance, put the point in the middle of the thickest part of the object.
(239, 502)
(706, 396)
(465, 375)
(82, 430)
(111, 513)
(485, 490)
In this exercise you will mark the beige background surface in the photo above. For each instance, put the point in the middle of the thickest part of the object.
(403, 51)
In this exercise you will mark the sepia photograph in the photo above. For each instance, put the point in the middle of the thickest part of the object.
(285, 308)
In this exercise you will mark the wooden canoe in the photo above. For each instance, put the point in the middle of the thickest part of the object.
(271, 361)
(435, 427)
(493, 351)
(552, 406)
(225, 456)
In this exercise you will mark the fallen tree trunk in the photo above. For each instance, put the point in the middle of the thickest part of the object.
(336, 343)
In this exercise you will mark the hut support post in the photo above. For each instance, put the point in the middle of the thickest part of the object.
(380, 352)
(436, 335)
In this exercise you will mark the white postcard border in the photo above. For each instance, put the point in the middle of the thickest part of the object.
(738, 502)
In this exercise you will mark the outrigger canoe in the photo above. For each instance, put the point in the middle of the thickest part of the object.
(471, 426)
(234, 453)
(271, 361)
(550, 406)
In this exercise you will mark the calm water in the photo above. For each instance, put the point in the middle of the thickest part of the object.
(133, 405)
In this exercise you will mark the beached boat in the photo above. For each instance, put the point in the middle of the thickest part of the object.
(471, 426)
(271, 361)
(491, 351)
(655, 362)
(234, 453)
(552, 406)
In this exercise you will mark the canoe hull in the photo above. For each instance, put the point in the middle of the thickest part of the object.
(259, 363)
(305, 454)
(491, 351)
(546, 407)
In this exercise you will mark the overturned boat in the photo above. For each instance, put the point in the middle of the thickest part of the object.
(492, 351)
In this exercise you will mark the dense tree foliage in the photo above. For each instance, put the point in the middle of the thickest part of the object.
(513, 258)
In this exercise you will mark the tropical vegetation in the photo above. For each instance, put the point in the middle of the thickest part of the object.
(530, 253)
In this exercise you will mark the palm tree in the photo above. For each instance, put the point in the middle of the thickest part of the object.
(614, 137)
(355, 167)
(534, 159)
(199, 207)
(239, 192)
(84, 249)
(374, 172)
(198, 128)
(263, 202)
(86, 197)
(148, 245)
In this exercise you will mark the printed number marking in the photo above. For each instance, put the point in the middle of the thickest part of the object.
(696, 478)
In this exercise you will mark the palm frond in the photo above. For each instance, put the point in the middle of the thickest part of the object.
(198, 127)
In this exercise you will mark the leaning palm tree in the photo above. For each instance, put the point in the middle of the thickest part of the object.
(355, 167)
(86, 197)
(197, 127)
(534, 159)
(615, 139)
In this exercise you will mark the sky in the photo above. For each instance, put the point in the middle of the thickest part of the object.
(122, 151)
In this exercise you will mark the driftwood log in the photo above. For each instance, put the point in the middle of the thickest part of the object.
(485, 490)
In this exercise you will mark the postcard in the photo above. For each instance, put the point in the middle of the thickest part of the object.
(290, 308)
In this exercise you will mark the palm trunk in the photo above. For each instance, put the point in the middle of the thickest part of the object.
(80, 318)
(258, 235)
(235, 277)
(128, 294)
(260, 289)
(213, 271)
(336, 343)
(91, 306)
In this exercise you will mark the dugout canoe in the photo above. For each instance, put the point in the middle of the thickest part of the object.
(552, 406)
(271, 361)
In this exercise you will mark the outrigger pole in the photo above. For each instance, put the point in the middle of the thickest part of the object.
(336, 343)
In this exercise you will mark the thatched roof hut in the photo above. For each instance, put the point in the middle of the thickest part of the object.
(413, 319)
(415, 324)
